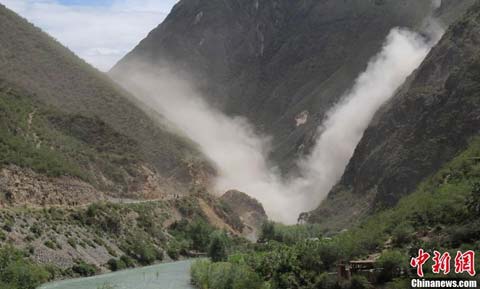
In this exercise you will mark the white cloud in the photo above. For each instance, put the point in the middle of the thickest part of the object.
(100, 34)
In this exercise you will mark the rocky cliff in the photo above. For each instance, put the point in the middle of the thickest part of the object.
(426, 124)
(282, 64)
(251, 212)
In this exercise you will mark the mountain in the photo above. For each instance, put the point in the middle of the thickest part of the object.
(431, 120)
(276, 62)
(62, 118)
(90, 180)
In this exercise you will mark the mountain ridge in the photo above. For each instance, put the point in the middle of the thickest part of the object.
(275, 61)
(425, 125)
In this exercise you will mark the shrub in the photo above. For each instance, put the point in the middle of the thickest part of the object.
(462, 234)
(50, 244)
(116, 265)
(199, 273)
(326, 281)
(360, 282)
(402, 234)
(129, 263)
(24, 275)
(391, 262)
(267, 232)
(244, 277)
(99, 241)
(140, 248)
(220, 275)
(72, 242)
(110, 250)
(8, 226)
(399, 283)
(173, 250)
(196, 233)
(18, 272)
(177, 248)
(84, 269)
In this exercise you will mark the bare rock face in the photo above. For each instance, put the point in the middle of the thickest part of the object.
(25, 187)
(22, 186)
(250, 210)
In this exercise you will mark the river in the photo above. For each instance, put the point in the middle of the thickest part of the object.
(174, 275)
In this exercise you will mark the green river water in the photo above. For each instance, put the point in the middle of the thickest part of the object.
(163, 276)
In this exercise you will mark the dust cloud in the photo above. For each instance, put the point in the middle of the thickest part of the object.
(240, 154)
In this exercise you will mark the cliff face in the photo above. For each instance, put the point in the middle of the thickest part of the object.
(251, 212)
(275, 62)
(426, 124)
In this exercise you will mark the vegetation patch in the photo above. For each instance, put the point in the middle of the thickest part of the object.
(442, 214)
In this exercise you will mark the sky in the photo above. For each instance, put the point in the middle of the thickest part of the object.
(99, 31)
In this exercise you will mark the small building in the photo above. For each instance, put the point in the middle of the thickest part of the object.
(366, 268)
(362, 265)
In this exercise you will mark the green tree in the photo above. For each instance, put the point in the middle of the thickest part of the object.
(25, 275)
(391, 263)
(268, 231)
(200, 232)
(217, 250)
(402, 234)
(360, 282)
(18, 272)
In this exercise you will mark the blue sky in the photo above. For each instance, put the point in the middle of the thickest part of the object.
(86, 2)
(99, 31)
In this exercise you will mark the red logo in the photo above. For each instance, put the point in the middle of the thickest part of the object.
(464, 262)
(442, 263)
(419, 261)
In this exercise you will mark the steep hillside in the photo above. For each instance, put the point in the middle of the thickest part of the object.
(49, 157)
(86, 240)
(276, 61)
(425, 125)
(61, 117)
(89, 181)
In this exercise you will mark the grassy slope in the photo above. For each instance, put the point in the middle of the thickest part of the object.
(20, 137)
(55, 143)
(45, 70)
